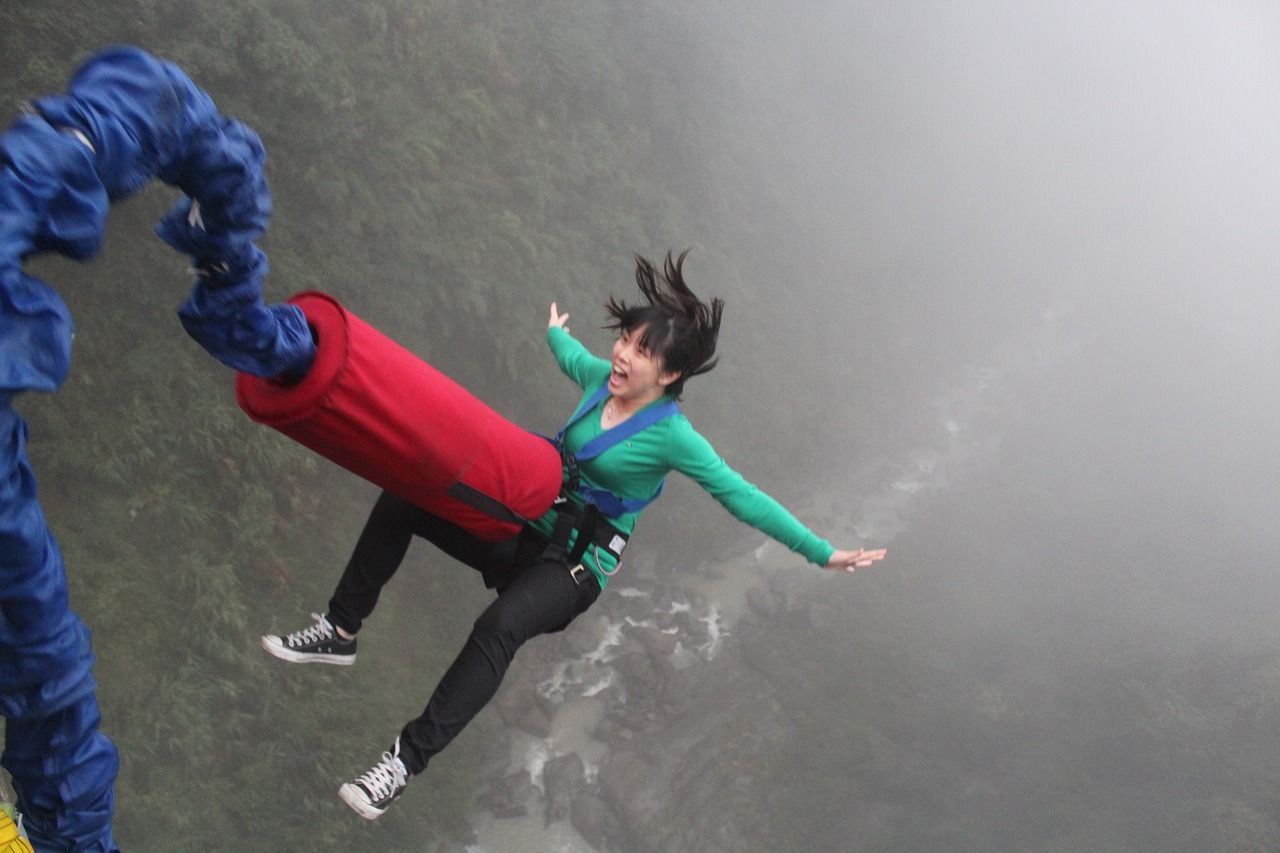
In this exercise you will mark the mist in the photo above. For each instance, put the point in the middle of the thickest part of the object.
(1000, 299)
(1065, 211)
(1090, 179)
(1081, 197)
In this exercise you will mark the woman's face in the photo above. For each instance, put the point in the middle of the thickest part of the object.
(637, 372)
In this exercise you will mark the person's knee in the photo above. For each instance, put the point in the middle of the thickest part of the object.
(495, 637)
(497, 621)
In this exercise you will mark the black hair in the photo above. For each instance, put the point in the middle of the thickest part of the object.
(680, 330)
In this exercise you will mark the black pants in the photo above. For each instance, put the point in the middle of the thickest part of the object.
(536, 595)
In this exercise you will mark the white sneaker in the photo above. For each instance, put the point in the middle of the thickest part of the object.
(319, 643)
(370, 794)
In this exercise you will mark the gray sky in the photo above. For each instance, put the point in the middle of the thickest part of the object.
(1012, 150)
(993, 158)
(1081, 200)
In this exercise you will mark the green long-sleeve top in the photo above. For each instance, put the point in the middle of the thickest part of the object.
(636, 467)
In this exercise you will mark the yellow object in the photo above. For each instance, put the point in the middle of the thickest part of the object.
(10, 840)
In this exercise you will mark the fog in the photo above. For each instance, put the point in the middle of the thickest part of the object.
(1104, 163)
(1000, 299)
(1068, 209)
(1079, 193)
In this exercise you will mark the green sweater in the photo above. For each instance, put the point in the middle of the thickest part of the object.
(635, 468)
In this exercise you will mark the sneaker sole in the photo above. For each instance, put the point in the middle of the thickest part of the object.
(351, 795)
(273, 647)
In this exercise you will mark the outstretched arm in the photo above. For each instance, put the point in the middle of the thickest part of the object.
(848, 561)
(694, 456)
(574, 359)
(558, 320)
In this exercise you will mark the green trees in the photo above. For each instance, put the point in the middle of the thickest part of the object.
(446, 168)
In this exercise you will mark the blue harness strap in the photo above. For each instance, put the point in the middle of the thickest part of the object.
(611, 505)
(587, 404)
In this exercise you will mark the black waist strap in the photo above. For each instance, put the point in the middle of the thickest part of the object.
(490, 506)
(495, 508)
(593, 529)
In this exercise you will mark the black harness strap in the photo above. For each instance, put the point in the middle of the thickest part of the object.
(593, 526)
(490, 506)
(587, 523)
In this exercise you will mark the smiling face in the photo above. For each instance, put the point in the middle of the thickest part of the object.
(638, 375)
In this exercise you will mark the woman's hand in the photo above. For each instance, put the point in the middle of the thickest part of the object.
(558, 320)
(847, 561)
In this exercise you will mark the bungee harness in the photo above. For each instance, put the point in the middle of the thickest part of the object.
(599, 505)
(374, 408)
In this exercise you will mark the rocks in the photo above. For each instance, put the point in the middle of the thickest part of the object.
(631, 785)
(509, 796)
(763, 603)
(595, 821)
(685, 720)
(656, 642)
(517, 706)
(562, 778)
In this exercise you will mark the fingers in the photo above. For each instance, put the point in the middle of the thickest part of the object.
(860, 559)
(866, 558)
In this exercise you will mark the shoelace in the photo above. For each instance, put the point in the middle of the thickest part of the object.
(383, 778)
(314, 634)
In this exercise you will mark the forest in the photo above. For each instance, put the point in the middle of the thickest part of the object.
(447, 168)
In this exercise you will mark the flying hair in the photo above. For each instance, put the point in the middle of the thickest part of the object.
(678, 328)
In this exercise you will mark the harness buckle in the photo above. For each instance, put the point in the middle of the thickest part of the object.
(578, 572)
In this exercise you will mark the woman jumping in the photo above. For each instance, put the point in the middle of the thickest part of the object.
(625, 436)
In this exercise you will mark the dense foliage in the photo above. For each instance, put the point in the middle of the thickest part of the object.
(447, 169)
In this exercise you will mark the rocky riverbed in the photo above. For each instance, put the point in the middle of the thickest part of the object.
(645, 725)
